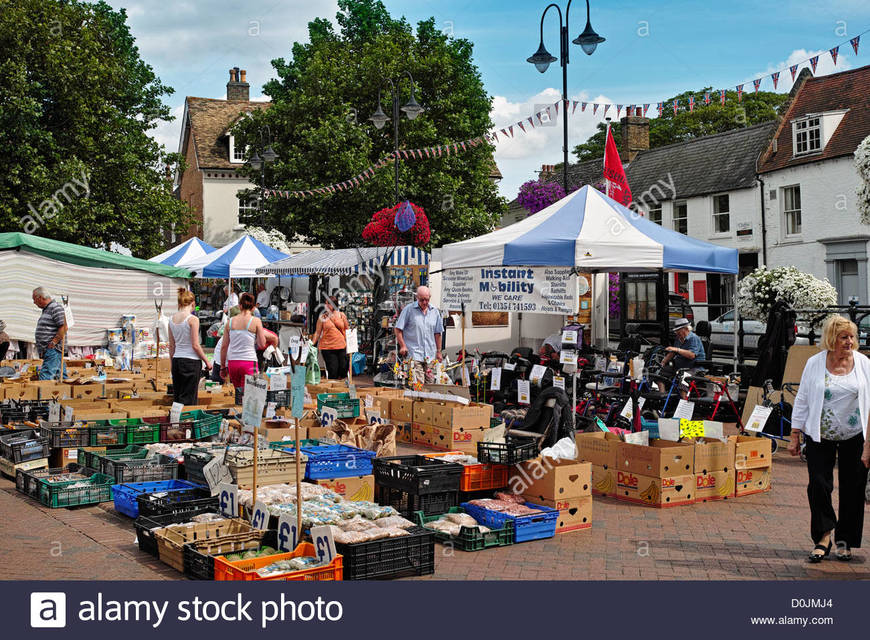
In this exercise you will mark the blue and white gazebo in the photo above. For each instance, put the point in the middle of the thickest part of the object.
(185, 253)
(240, 259)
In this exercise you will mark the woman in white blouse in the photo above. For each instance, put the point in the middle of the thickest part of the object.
(831, 409)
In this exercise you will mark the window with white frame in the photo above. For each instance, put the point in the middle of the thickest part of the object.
(654, 213)
(807, 134)
(791, 209)
(248, 210)
(237, 152)
(681, 217)
(721, 214)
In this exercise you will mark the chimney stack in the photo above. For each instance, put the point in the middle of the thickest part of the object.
(635, 135)
(238, 90)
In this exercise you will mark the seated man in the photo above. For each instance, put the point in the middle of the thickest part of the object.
(550, 349)
(686, 350)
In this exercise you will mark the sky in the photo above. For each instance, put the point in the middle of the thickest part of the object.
(653, 49)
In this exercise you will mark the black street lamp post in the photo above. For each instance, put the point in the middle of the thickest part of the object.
(588, 41)
(259, 163)
(412, 109)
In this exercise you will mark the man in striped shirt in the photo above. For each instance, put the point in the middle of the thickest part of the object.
(50, 330)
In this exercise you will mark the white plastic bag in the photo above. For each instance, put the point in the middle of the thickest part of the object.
(565, 449)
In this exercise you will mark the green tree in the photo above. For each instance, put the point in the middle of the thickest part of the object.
(705, 120)
(322, 99)
(76, 105)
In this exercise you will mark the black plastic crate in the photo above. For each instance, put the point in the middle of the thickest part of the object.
(411, 555)
(199, 556)
(182, 501)
(144, 525)
(149, 469)
(431, 504)
(23, 446)
(24, 410)
(512, 452)
(280, 398)
(66, 434)
(418, 475)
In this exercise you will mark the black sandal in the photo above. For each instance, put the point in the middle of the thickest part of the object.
(818, 557)
(844, 553)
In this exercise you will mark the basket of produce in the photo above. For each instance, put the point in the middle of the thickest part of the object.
(171, 539)
(531, 521)
(417, 475)
(297, 565)
(126, 496)
(463, 532)
(64, 491)
(146, 527)
(23, 446)
(476, 476)
(105, 433)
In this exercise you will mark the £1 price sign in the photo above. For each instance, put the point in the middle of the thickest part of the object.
(324, 545)
(328, 415)
(260, 517)
(288, 534)
(228, 499)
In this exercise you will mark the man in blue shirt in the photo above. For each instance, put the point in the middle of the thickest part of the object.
(418, 333)
(687, 349)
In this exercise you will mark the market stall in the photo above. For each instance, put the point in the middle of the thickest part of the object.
(185, 253)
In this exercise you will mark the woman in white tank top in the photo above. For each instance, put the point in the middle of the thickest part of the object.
(242, 337)
(185, 350)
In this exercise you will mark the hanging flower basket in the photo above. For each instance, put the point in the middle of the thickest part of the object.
(404, 223)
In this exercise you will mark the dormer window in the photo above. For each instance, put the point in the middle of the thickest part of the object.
(237, 152)
(807, 134)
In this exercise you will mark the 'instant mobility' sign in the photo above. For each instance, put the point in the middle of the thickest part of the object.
(531, 290)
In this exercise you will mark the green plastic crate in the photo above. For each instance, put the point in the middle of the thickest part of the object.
(139, 431)
(341, 402)
(107, 433)
(97, 488)
(470, 538)
(89, 459)
(204, 424)
(290, 443)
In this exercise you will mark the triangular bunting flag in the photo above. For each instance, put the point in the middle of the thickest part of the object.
(583, 106)
(618, 110)
(756, 83)
(775, 78)
(504, 133)
(575, 108)
(550, 115)
(854, 42)
(707, 97)
(557, 109)
(645, 109)
(793, 70)
(834, 53)
(494, 136)
(606, 107)
(661, 108)
(691, 103)
(511, 130)
(739, 92)
(722, 96)
(538, 114)
(521, 126)
(814, 61)
(676, 105)
(531, 122)
(462, 144)
(594, 108)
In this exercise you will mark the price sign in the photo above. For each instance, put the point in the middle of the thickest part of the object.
(278, 382)
(294, 346)
(352, 337)
(510, 366)
(260, 517)
(68, 314)
(254, 401)
(641, 437)
(627, 411)
(691, 428)
(228, 499)
(175, 412)
(537, 374)
(303, 355)
(495, 379)
(568, 356)
(523, 392)
(270, 410)
(600, 363)
(569, 337)
(374, 416)
(351, 390)
(324, 545)
(369, 401)
(297, 393)
(685, 410)
(54, 412)
(758, 418)
(288, 535)
(559, 382)
(669, 429)
(328, 415)
(68, 413)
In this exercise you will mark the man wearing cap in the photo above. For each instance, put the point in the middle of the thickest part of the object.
(687, 349)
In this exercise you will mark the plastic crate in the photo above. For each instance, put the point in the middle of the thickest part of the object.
(105, 433)
(27, 482)
(96, 488)
(530, 527)
(90, 459)
(281, 398)
(341, 402)
(411, 555)
(66, 434)
(247, 569)
(171, 541)
(334, 461)
(506, 453)
(176, 500)
(418, 475)
(23, 410)
(139, 469)
(141, 432)
(146, 525)
(273, 466)
(287, 445)
(199, 556)
(480, 477)
(195, 425)
(126, 495)
(23, 446)
(408, 503)
(470, 538)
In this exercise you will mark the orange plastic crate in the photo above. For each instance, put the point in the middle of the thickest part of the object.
(247, 569)
(479, 477)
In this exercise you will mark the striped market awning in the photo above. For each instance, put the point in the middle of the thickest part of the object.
(345, 262)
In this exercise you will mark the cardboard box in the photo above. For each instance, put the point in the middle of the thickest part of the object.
(402, 410)
(714, 485)
(452, 415)
(22, 392)
(106, 414)
(404, 432)
(354, 489)
(428, 435)
(599, 448)
(87, 391)
(274, 433)
(424, 412)
(575, 514)
(62, 457)
(714, 455)
(750, 481)
(82, 403)
(661, 459)
(54, 390)
(751, 452)
(670, 491)
(603, 480)
(546, 479)
(146, 412)
(379, 403)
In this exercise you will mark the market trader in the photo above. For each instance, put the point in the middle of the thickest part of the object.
(685, 351)
(50, 330)
(418, 333)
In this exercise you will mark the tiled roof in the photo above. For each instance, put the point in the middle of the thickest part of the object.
(847, 90)
(209, 120)
(583, 173)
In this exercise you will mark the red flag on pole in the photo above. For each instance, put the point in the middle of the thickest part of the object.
(617, 184)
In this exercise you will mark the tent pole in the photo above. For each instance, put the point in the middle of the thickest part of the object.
(736, 323)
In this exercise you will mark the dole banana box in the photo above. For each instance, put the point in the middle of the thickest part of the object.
(547, 479)
(51, 390)
(402, 409)
(424, 412)
(404, 432)
(599, 448)
(751, 453)
(356, 489)
(382, 404)
(603, 480)
(424, 434)
(575, 514)
(670, 491)
(714, 485)
(661, 459)
(713, 455)
(751, 481)
(454, 415)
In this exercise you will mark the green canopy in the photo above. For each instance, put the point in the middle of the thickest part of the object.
(85, 256)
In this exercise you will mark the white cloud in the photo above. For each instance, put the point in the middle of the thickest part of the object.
(519, 158)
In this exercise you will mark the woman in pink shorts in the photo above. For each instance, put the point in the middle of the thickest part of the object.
(242, 337)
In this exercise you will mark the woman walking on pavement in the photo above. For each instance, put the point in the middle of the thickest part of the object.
(242, 337)
(185, 350)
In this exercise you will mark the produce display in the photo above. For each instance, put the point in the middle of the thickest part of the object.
(506, 503)
(288, 566)
(452, 523)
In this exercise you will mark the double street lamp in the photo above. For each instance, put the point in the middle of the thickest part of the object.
(259, 162)
(411, 109)
(588, 41)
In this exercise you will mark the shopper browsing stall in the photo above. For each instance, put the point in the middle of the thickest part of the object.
(242, 336)
(185, 351)
(418, 333)
(329, 336)
(685, 353)
(50, 331)
(232, 299)
(831, 409)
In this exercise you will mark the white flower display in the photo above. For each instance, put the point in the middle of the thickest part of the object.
(862, 164)
(272, 237)
(757, 292)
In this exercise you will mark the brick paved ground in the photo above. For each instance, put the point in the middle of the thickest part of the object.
(756, 537)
